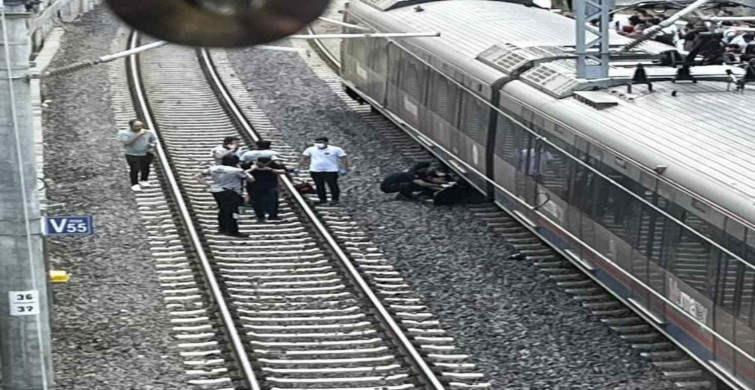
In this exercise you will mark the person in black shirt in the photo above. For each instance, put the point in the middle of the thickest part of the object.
(264, 190)
(408, 182)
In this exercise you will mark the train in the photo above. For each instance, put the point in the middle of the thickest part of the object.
(647, 184)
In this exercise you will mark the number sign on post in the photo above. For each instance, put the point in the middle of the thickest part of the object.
(24, 303)
(69, 226)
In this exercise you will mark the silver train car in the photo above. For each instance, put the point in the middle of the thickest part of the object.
(652, 191)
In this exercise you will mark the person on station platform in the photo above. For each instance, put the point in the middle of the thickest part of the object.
(230, 147)
(264, 189)
(227, 184)
(326, 163)
(138, 144)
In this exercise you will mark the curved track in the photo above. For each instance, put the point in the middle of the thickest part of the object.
(295, 311)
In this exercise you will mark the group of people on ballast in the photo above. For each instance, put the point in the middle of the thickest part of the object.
(257, 172)
(423, 182)
(250, 177)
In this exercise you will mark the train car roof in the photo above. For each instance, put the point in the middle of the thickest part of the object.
(705, 135)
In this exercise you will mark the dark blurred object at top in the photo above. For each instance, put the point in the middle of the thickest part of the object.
(218, 23)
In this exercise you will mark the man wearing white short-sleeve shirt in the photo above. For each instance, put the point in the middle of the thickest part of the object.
(326, 162)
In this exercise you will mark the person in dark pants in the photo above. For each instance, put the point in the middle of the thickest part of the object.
(264, 189)
(138, 144)
(227, 182)
(416, 179)
(326, 163)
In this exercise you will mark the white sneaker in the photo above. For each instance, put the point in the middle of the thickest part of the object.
(136, 187)
(145, 184)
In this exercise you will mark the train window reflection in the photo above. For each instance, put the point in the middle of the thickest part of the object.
(443, 99)
(411, 78)
(505, 140)
(474, 119)
(554, 173)
(694, 261)
(614, 208)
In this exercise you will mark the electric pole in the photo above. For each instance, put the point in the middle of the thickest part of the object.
(593, 56)
(24, 316)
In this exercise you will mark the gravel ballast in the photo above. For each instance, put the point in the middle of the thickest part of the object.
(110, 327)
(522, 330)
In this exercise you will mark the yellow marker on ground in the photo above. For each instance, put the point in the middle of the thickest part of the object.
(59, 276)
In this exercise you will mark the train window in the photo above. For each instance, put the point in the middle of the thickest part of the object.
(613, 207)
(729, 293)
(694, 261)
(412, 77)
(554, 170)
(650, 233)
(702, 226)
(475, 117)
(394, 63)
(357, 50)
(524, 147)
(505, 142)
(444, 97)
(378, 65)
(583, 182)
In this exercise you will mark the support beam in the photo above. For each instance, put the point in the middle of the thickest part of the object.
(367, 35)
(24, 329)
(731, 18)
(593, 66)
(343, 24)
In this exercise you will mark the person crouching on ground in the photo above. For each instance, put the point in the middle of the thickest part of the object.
(227, 182)
(410, 181)
(138, 144)
(264, 189)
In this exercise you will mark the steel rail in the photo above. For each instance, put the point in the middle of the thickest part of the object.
(183, 212)
(427, 375)
(330, 58)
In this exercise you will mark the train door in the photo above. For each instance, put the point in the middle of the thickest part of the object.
(377, 60)
(392, 92)
(412, 83)
(526, 152)
(553, 173)
(473, 136)
(441, 114)
(646, 249)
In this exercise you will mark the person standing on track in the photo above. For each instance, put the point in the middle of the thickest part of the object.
(326, 162)
(263, 150)
(227, 184)
(138, 144)
(229, 147)
(264, 189)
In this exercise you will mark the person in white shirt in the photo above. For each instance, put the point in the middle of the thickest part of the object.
(326, 162)
(139, 146)
(229, 147)
(263, 150)
(226, 188)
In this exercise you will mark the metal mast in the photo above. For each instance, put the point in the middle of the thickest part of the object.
(593, 55)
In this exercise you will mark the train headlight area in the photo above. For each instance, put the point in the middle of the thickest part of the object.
(646, 177)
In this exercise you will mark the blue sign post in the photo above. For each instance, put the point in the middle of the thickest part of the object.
(69, 226)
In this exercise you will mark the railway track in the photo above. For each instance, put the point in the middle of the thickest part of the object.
(293, 306)
(628, 320)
